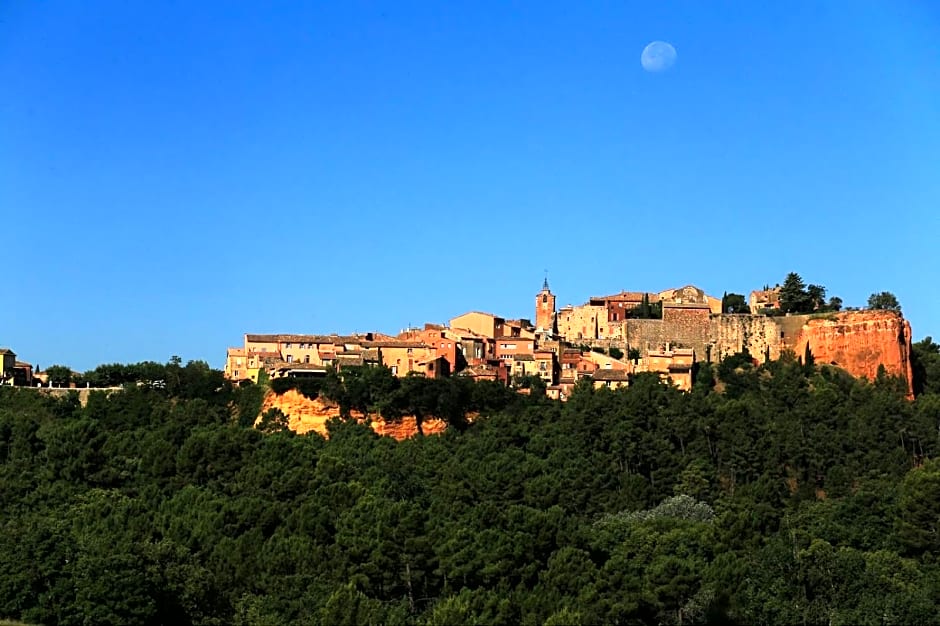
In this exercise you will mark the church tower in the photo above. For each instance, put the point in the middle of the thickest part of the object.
(545, 310)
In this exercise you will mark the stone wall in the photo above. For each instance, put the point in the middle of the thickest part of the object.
(688, 327)
(83, 392)
(681, 327)
(730, 334)
(857, 341)
(581, 323)
(643, 333)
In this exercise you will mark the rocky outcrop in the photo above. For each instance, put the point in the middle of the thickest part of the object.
(859, 342)
(407, 427)
(856, 341)
(306, 415)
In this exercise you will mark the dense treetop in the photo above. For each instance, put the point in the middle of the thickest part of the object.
(776, 493)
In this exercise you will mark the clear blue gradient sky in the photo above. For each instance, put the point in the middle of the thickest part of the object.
(174, 174)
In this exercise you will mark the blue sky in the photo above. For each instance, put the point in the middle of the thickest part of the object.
(174, 174)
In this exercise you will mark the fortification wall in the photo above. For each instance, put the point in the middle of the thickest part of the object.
(760, 335)
(643, 333)
(688, 328)
(857, 341)
(82, 392)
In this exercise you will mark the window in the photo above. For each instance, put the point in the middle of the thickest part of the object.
(394, 369)
(290, 358)
(306, 358)
(235, 373)
(288, 345)
(544, 299)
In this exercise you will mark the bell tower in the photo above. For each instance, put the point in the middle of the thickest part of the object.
(545, 310)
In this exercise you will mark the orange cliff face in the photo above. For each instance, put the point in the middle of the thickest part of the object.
(306, 415)
(860, 341)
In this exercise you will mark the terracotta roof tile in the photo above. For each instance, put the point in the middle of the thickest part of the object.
(395, 344)
(611, 375)
(315, 339)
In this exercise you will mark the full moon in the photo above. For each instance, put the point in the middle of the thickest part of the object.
(658, 56)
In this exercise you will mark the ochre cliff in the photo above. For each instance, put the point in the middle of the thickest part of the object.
(306, 415)
(860, 341)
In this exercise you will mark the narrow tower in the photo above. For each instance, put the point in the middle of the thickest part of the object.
(545, 310)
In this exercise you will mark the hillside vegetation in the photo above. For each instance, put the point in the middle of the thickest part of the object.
(785, 493)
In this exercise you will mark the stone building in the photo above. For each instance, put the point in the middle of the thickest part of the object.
(618, 305)
(762, 299)
(612, 379)
(438, 338)
(508, 347)
(692, 329)
(690, 294)
(485, 324)
(673, 364)
(583, 323)
(7, 365)
(545, 311)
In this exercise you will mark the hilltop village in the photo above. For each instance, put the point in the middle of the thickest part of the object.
(608, 339)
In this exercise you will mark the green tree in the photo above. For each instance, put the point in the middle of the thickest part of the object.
(925, 363)
(816, 294)
(564, 617)
(918, 524)
(734, 303)
(274, 421)
(793, 296)
(59, 375)
(884, 301)
(808, 359)
(348, 606)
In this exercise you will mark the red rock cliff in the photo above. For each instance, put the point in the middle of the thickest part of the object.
(860, 341)
(306, 415)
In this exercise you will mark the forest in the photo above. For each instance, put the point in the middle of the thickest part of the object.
(776, 493)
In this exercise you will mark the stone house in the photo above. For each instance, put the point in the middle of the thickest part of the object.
(764, 299)
(612, 379)
(7, 365)
(507, 347)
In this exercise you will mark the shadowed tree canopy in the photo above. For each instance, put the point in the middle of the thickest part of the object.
(884, 301)
(773, 492)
